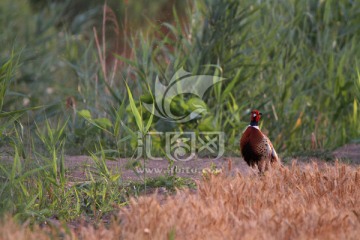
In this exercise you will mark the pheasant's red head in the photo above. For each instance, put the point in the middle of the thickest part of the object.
(255, 116)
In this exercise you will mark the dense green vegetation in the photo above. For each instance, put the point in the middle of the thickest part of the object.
(63, 90)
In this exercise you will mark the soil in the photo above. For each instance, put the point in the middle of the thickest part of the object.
(78, 166)
(350, 152)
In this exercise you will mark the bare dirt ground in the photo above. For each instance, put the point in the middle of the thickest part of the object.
(349, 152)
(79, 166)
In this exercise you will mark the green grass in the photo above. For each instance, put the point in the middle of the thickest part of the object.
(296, 62)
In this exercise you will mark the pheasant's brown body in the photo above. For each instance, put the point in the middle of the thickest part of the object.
(257, 149)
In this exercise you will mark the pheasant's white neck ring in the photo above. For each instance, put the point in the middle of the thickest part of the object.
(257, 127)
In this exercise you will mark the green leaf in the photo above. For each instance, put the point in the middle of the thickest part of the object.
(7, 71)
(85, 114)
(148, 125)
(355, 111)
(147, 98)
(196, 104)
(231, 85)
(207, 124)
(134, 110)
(103, 122)
(115, 177)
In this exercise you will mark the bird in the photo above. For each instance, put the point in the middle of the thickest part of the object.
(256, 148)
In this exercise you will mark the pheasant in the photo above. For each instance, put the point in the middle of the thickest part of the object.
(256, 148)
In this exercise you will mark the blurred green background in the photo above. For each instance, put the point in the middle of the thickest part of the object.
(68, 61)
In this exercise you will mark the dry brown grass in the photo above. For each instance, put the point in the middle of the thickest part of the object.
(289, 203)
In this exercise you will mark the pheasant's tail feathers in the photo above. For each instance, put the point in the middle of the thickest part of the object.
(275, 160)
(274, 156)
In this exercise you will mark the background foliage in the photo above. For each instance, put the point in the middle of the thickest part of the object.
(296, 62)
